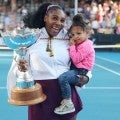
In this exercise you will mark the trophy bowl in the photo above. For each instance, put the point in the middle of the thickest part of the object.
(25, 92)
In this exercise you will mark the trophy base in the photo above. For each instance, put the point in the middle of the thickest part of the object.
(28, 96)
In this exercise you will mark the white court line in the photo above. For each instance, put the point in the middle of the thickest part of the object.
(107, 46)
(112, 71)
(103, 88)
(108, 60)
(3, 88)
(92, 88)
(5, 55)
(98, 88)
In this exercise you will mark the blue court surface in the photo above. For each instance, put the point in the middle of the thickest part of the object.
(101, 96)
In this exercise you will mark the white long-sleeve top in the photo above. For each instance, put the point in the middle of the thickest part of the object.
(42, 65)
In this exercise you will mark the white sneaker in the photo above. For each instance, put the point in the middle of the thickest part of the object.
(65, 108)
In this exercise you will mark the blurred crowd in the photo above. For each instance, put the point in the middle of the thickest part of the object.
(103, 17)
(10, 20)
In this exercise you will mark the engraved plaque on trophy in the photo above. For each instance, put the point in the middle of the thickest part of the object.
(26, 92)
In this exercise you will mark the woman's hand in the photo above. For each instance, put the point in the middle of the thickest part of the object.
(23, 65)
(83, 80)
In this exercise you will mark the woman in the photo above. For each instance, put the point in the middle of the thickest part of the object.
(49, 58)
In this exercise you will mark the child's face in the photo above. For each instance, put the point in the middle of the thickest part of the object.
(78, 35)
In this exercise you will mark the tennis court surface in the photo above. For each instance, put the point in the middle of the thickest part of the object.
(101, 96)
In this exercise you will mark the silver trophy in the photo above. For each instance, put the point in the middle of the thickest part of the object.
(26, 92)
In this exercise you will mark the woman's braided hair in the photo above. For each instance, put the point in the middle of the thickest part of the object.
(36, 19)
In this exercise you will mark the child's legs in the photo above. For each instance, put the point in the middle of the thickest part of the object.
(67, 79)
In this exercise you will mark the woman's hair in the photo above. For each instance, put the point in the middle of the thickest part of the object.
(36, 19)
(78, 20)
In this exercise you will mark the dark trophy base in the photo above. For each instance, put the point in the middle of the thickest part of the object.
(28, 96)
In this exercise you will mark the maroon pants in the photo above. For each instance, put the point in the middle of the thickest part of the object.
(45, 110)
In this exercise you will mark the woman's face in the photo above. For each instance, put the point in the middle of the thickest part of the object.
(54, 22)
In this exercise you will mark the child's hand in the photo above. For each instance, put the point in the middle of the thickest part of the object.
(72, 42)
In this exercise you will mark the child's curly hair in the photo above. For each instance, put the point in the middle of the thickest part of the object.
(78, 20)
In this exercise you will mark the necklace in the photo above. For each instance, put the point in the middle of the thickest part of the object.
(49, 45)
